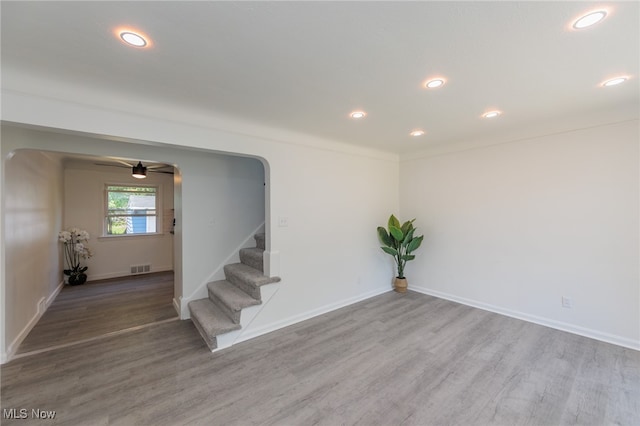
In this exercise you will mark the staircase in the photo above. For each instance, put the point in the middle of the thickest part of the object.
(220, 312)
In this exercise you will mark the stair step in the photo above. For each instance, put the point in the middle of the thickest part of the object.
(210, 321)
(260, 240)
(247, 279)
(252, 257)
(220, 312)
(230, 299)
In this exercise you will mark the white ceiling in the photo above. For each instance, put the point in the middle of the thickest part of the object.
(303, 66)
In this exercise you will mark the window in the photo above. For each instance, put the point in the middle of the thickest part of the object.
(131, 210)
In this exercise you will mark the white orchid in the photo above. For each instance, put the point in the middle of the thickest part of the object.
(75, 248)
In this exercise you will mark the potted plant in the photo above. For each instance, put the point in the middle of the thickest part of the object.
(75, 248)
(400, 241)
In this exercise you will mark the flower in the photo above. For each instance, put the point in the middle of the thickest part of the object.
(75, 248)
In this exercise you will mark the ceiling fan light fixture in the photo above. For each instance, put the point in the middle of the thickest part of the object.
(139, 171)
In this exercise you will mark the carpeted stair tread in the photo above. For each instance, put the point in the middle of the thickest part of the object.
(234, 298)
(220, 313)
(247, 279)
(240, 272)
(252, 257)
(210, 318)
(260, 240)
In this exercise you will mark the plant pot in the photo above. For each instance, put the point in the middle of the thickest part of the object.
(400, 285)
(77, 279)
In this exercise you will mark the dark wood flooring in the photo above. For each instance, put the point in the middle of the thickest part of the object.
(394, 359)
(102, 307)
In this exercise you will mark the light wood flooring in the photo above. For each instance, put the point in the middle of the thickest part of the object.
(102, 307)
(394, 359)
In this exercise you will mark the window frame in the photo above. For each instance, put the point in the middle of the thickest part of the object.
(157, 215)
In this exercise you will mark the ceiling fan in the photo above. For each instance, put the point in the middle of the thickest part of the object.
(139, 171)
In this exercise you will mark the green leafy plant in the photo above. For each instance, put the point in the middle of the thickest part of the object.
(399, 241)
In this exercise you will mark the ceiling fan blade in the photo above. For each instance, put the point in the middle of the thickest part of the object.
(112, 165)
(155, 168)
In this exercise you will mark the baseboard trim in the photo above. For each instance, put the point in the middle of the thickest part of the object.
(176, 306)
(13, 346)
(123, 274)
(55, 293)
(558, 325)
(277, 325)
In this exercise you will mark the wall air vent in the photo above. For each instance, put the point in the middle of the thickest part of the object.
(140, 269)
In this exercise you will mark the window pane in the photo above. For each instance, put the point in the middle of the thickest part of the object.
(132, 188)
(131, 200)
(131, 210)
(126, 225)
(116, 225)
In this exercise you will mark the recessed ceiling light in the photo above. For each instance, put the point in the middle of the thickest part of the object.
(133, 39)
(417, 133)
(589, 19)
(436, 82)
(615, 81)
(491, 114)
(358, 114)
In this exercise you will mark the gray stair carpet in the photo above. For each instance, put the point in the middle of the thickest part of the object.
(247, 279)
(252, 257)
(260, 240)
(210, 321)
(230, 299)
(220, 312)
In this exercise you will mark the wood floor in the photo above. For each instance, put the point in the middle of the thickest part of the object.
(394, 359)
(102, 307)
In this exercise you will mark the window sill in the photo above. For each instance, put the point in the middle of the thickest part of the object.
(128, 236)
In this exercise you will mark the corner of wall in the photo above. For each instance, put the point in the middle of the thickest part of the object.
(177, 305)
(41, 307)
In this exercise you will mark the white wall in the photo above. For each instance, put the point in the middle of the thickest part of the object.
(510, 228)
(515, 227)
(334, 196)
(328, 253)
(219, 198)
(223, 203)
(84, 208)
(33, 196)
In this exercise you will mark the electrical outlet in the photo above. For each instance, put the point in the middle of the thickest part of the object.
(567, 302)
(283, 221)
